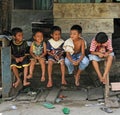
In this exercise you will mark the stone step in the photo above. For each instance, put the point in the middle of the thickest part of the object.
(77, 95)
(95, 93)
(42, 96)
(53, 94)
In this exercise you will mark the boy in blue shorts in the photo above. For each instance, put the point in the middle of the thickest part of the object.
(75, 52)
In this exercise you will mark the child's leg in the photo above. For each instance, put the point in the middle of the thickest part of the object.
(16, 73)
(42, 63)
(77, 77)
(97, 69)
(107, 67)
(82, 65)
(32, 65)
(25, 83)
(50, 65)
(69, 65)
(62, 66)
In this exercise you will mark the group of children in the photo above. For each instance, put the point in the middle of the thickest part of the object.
(69, 53)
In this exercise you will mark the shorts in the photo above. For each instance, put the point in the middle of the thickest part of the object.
(96, 58)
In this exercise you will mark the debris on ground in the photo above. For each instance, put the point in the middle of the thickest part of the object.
(48, 105)
(106, 109)
(58, 100)
(66, 110)
(94, 105)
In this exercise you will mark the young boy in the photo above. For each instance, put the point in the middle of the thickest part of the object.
(55, 54)
(75, 52)
(101, 49)
(19, 50)
(38, 52)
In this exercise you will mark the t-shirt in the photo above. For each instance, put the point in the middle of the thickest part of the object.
(19, 50)
(102, 48)
(56, 47)
(37, 49)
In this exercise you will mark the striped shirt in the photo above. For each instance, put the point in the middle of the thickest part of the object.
(94, 47)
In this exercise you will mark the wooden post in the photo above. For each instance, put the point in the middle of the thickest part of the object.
(108, 101)
(107, 87)
(6, 71)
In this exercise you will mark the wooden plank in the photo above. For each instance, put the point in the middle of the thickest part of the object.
(86, 10)
(87, 24)
(6, 71)
(53, 94)
(115, 86)
(107, 87)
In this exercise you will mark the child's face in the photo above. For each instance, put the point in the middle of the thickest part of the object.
(74, 34)
(18, 37)
(56, 35)
(38, 37)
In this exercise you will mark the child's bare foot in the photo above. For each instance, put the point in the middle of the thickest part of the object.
(64, 82)
(77, 83)
(29, 76)
(25, 83)
(49, 84)
(16, 84)
(42, 79)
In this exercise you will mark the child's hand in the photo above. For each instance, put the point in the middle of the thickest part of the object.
(37, 57)
(101, 55)
(21, 59)
(56, 57)
(106, 54)
(75, 63)
(17, 60)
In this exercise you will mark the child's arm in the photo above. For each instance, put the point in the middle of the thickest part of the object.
(109, 48)
(61, 54)
(26, 51)
(93, 48)
(44, 50)
(69, 57)
(97, 53)
(16, 59)
(31, 51)
(49, 51)
(82, 51)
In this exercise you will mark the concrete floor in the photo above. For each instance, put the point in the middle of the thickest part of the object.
(30, 108)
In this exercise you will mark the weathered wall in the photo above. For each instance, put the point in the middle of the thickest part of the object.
(24, 19)
(93, 17)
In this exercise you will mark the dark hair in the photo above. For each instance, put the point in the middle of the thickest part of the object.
(101, 37)
(16, 30)
(36, 31)
(55, 28)
(77, 27)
